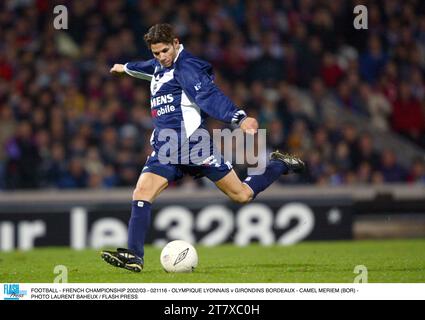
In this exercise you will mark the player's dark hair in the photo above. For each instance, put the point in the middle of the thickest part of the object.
(159, 33)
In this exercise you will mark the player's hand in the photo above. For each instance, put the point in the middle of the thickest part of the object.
(117, 69)
(249, 126)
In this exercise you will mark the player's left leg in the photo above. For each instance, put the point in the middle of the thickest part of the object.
(153, 180)
(148, 187)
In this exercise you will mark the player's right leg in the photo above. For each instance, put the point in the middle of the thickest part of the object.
(243, 192)
(279, 164)
(233, 187)
(148, 187)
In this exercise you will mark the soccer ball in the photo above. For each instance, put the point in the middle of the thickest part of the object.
(179, 256)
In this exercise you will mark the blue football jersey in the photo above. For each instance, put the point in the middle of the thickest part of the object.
(182, 95)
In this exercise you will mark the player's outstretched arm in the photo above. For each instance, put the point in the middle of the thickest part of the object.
(117, 69)
(138, 69)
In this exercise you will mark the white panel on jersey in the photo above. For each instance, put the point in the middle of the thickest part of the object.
(191, 115)
(157, 82)
(137, 74)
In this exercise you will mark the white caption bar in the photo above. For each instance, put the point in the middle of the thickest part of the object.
(194, 291)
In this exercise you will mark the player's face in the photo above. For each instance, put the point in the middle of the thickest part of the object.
(165, 53)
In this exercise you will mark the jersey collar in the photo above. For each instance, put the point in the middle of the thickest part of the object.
(178, 52)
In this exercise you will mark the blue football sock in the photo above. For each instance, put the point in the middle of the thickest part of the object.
(138, 226)
(260, 182)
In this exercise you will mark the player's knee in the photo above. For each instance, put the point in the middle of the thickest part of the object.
(242, 198)
(142, 192)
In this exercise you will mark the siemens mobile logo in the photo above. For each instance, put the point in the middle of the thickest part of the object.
(163, 100)
(163, 110)
(166, 98)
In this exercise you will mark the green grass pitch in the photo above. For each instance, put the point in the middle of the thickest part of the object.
(322, 262)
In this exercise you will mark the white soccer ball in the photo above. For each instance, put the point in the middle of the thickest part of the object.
(179, 256)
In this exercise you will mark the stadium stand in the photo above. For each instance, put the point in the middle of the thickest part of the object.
(349, 102)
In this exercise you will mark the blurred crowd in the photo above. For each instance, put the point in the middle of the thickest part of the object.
(65, 122)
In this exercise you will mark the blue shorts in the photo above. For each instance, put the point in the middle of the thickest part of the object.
(213, 168)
